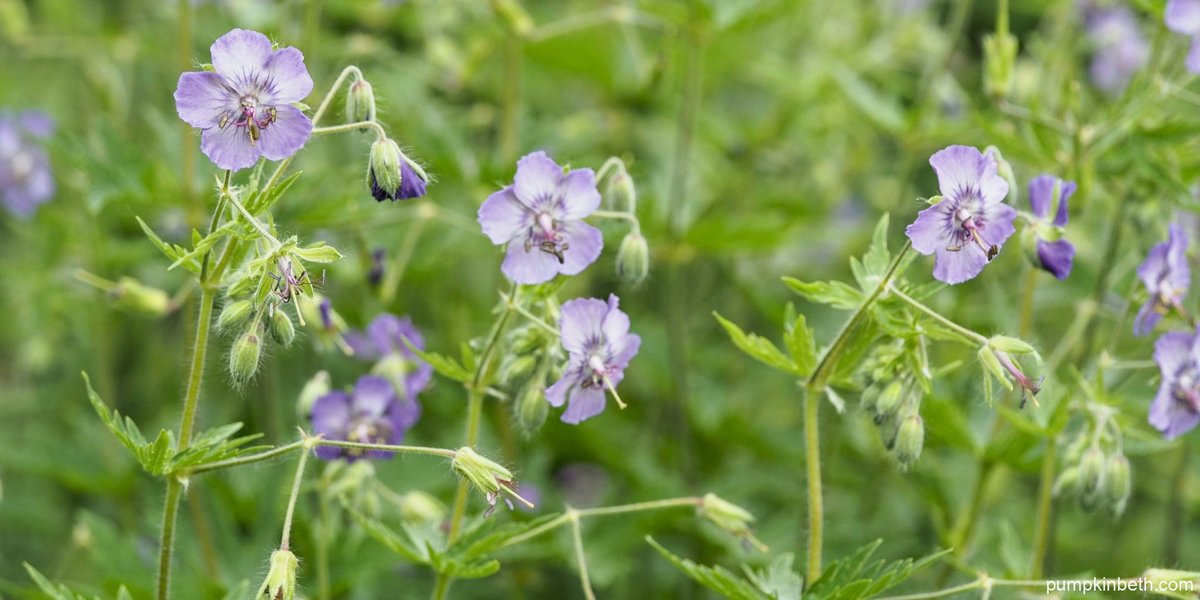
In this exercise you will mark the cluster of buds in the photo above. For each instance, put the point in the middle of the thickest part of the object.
(731, 518)
(1096, 470)
(527, 367)
(892, 396)
(633, 256)
(487, 476)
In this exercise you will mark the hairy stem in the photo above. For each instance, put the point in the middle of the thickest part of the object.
(689, 501)
(580, 557)
(285, 539)
(812, 463)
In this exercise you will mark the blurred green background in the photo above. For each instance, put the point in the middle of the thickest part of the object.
(765, 138)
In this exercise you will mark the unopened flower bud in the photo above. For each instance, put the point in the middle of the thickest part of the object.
(531, 408)
(134, 295)
(1117, 482)
(910, 439)
(243, 357)
(730, 517)
(360, 102)
(890, 399)
(314, 388)
(487, 476)
(633, 259)
(621, 192)
(282, 329)
(1091, 471)
(517, 368)
(391, 175)
(280, 583)
(419, 507)
(1066, 480)
(234, 314)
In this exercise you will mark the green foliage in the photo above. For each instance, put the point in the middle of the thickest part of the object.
(717, 579)
(62, 592)
(857, 577)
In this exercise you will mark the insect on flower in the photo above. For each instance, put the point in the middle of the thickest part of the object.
(288, 285)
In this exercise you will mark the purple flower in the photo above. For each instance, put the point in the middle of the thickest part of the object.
(1183, 16)
(596, 336)
(1176, 408)
(383, 341)
(372, 414)
(1167, 276)
(1120, 49)
(540, 217)
(1054, 253)
(25, 177)
(244, 106)
(966, 228)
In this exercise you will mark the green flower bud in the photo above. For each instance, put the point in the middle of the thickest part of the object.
(517, 368)
(419, 507)
(280, 583)
(282, 329)
(870, 398)
(234, 314)
(890, 398)
(730, 517)
(910, 439)
(314, 388)
(360, 102)
(1067, 480)
(1091, 471)
(1117, 484)
(486, 476)
(531, 407)
(243, 357)
(633, 259)
(133, 295)
(620, 191)
(383, 168)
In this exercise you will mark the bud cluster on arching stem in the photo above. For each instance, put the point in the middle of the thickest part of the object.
(526, 368)
(1095, 468)
(892, 394)
(487, 476)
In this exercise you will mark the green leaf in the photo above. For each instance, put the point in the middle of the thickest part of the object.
(56, 592)
(151, 456)
(203, 245)
(802, 346)
(717, 579)
(834, 293)
(874, 264)
(779, 581)
(444, 365)
(172, 251)
(259, 202)
(855, 577)
(758, 347)
(319, 252)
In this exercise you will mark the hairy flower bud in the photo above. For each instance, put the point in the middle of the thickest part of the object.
(391, 175)
(1117, 482)
(360, 102)
(1091, 471)
(633, 259)
(280, 583)
(730, 517)
(134, 295)
(234, 314)
(487, 476)
(531, 408)
(620, 191)
(910, 439)
(282, 329)
(243, 357)
(890, 399)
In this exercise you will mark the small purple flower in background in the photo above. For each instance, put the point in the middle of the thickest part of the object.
(540, 217)
(244, 106)
(1049, 194)
(378, 261)
(970, 223)
(1183, 16)
(371, 414)
(25, 178)
(1167, 276)
(1176, 408)
(383, 341)
(596, 336)
(1119, 48)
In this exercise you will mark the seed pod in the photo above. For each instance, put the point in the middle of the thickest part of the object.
(282, 329)
(234, 314)
(243, 357)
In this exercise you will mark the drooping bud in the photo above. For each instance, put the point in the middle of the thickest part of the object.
(910, 439)
(234, 314)
(531, 408)
(633, 259)
(487, 476)
(243, 357)
(391, 175)
(730, 517)
(282, 329)
(621, 192)
(1091, 471)
(890, 399)
(513, 15)
(1067, 480)
(1117, 482)
(360, 102)
(134, 295)
(280, 583)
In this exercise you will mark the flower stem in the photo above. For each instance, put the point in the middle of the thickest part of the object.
(1041, 533)
(691, 501)
(254, 222)
(936, 316)
(285, 539)
(379, 132)
(524, 312)
(580, 557)
(619, 214)
(246, 460)
(443, 452)
(190, 401)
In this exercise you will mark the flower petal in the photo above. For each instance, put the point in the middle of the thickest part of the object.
(287, 135)
(529, 267)
(631, 344)
(240, 55)
(286, 77)
(556, 394)
(331, 415)
(503, 217)
(616, 323)
(229, 148)
(583, 405)
(1147, 317)
(958, 169)
(1056, 257)
(1193, 58)
(1172, 351)
(581, 323)
(1183, 16)
(932, 231)
(998, 224)
(584, 244)
(1067, 190)
(36, 123)
(580, 197)
(1041, 188)
(958, 266)
(537, 178)
(373, 396)
(202, 97)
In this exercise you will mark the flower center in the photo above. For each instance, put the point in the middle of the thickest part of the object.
(968, 231)
(1185, 388)
(21, 165)
(367, 431)
(248, 115)
(545, 235)
(597, 373)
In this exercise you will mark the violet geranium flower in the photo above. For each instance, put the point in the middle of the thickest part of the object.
(25, 178)
(596, 336)
(383, 343)
(1166, 274)
(371, 414)
(1119, 48)
(540, 217)
(1183, 16)
(1049, 194)
(244, 105)
(1176, 408)
(968, 225)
